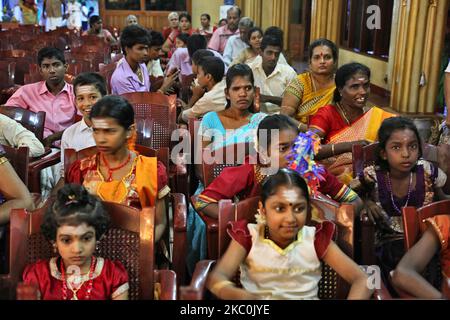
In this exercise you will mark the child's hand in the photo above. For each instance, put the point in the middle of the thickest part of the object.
(373, 212)
(198, 91)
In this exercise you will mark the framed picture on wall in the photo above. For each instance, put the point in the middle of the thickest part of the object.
(122, 4)
(166, 5)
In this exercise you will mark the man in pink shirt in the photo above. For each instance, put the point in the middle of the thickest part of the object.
(220, 36)
(53, 95)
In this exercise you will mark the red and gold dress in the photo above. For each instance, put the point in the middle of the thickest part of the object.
(244, 182)
(146, 181)
(109, 280)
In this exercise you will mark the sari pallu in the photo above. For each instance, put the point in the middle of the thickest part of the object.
(310, 100)
(364, 128)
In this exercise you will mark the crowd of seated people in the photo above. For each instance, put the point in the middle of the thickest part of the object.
(228, 86)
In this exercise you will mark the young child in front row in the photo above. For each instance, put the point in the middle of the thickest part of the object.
(74, 224)
(280, 256)
(407, 275)
(398, 179)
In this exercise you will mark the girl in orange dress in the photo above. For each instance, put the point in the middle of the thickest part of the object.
(117, 173)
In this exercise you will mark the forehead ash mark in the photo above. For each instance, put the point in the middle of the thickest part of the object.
(290, 195)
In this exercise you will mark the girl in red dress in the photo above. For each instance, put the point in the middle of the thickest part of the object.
(74, 224)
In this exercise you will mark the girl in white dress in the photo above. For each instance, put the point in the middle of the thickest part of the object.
(280, 256)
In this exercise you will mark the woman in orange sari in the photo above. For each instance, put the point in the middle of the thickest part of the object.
(117, 173)
(348, 121)
(313, 89)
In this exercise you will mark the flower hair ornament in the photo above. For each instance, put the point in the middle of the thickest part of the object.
(301, 159)
(260, 218)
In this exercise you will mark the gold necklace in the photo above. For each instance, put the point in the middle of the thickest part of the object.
(313, 80)
(69, 285)
(341, 109)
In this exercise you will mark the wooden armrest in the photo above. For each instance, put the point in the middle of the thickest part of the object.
(179, 212)
(179, 208)
(168, 281)
(6, 289)
(45, 162)
(46, 152)
(197, 288)
(382, 293)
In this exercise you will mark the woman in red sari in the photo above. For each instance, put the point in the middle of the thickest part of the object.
(74, 224)
(347, 122)
(117, 173)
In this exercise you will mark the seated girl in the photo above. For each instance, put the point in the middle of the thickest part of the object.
(245, 181)
(116, 172)
(280, 256)
(398, 179)
(407, 275)
(74, 224)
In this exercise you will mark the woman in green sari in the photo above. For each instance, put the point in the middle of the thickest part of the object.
(312, 89)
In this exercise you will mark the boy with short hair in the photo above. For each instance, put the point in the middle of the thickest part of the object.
(210, 71)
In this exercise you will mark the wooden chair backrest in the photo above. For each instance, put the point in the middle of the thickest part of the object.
(130, 239)
(33, 121)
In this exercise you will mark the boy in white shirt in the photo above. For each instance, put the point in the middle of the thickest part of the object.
(88, 87)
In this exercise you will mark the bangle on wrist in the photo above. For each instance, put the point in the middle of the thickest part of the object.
(332, 149)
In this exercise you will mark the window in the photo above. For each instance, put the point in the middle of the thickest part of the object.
(165, 5)
(123, 4)
(356, 34)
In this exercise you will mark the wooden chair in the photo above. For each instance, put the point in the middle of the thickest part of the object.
(33, 121)
(196, 153)
(229, 156)
(177, 202)
(331, 286)
(7, 74)
(364, 156)
(162, 110)
(129, 240)
(107, 71)
(185, 92)
(414, 226)
(19, 159)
